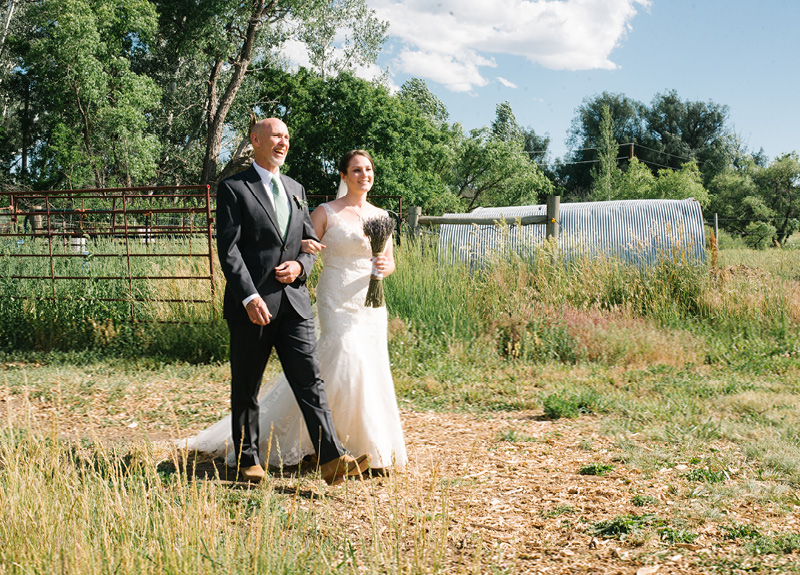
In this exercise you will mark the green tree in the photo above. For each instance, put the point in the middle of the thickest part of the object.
(605, 174)
(13, 155)
(210, 48)
(667, 134)
(681, 184)
(635, 182)
(537, 148)
(678, 131)
(490, 171)
(93, 129)
(417, 154)
(416, 91)
(330, 116)
(493, 168)
(585, 135)
(760, 203)
(321, 24)
(779, 184)
(504, 126)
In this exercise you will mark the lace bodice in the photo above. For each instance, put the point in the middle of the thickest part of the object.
(342, 287)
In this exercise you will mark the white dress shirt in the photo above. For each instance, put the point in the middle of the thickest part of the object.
(266, 179)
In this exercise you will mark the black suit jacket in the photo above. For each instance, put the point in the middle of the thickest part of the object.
(250, 245)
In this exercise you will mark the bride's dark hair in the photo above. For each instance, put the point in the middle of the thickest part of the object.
(345, 161)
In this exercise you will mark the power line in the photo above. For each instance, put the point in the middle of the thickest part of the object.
(656, 164)
(617, 159)
(662, 152)
(649, 162)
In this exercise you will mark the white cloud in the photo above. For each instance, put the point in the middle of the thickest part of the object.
(458, 74)
(506, 83)
(295, 53)
(449, 41)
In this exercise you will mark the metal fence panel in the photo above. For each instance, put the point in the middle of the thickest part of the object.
(637, 231)
(110, 245)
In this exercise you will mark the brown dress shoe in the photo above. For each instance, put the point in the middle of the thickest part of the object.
(253, 474)
(334, 472)
(362, 464)
(377, 472)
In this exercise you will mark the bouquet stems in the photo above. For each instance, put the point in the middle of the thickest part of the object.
(378, 230)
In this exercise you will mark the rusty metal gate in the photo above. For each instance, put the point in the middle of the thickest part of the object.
(143, 251)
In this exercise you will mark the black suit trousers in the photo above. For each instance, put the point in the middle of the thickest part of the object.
(293, 338)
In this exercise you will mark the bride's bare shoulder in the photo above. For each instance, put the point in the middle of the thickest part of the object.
(337, 205)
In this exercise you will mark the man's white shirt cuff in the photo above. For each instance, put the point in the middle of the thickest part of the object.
(248, 299)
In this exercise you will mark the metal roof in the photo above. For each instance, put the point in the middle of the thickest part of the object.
(631, 230)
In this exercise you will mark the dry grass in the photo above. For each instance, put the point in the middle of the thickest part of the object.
(615, 338)
(481, 494)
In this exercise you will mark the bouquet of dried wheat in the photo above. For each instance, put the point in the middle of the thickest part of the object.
(378, 231)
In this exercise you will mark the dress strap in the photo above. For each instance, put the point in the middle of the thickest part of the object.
(329, 211)
(332, 216)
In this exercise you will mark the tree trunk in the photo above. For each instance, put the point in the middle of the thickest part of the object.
(213, 140)
(218, 112)
(25, 132)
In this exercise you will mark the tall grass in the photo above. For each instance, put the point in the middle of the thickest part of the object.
(110, 315)
(544, 297)
(68, 507)
(500, 336)
(536, 308)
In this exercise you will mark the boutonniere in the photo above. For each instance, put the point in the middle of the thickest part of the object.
(301, 203)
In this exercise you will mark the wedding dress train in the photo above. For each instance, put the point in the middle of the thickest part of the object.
(354, 362)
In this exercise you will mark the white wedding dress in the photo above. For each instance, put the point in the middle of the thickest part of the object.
(354, 361)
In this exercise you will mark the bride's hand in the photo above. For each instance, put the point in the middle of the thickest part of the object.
(311, 247)
(383, 264)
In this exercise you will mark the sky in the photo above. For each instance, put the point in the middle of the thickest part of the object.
(546, 56)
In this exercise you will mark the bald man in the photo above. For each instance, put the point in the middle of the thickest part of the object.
(262, 216)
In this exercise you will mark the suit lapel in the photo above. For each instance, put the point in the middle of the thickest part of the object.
(259, 191)
(292, 208)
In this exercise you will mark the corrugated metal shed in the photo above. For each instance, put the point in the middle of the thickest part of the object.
(632, 230)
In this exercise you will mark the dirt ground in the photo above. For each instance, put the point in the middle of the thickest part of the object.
(526, 503)
(505, 491)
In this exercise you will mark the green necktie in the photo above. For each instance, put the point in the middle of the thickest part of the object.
(281, 205)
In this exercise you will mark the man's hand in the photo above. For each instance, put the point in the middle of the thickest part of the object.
(257, 311)
(287, 272)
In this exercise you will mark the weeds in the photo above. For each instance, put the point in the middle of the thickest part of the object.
(596, 469)
(707, 475)
(558, 511)
(674, 535)
(640, 500)
(622, 526)
(514, 436)
(774, 544)
(571, 405)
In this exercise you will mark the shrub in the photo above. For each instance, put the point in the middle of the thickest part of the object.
(571, 405)
(596, 469)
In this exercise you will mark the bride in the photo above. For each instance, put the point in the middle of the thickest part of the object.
(352, 345)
